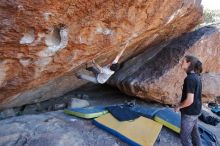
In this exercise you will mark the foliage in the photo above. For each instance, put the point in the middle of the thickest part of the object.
(209, 16)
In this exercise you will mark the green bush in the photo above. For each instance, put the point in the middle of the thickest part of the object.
(209, 16)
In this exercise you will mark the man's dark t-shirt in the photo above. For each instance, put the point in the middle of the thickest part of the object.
(192, 84)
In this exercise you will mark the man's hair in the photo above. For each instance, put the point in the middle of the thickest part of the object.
(195, 64)
(115, 67)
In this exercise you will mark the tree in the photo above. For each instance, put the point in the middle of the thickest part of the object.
(209, 16)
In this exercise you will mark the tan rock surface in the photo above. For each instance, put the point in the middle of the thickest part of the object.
(159, 77)
(211, 84)
(42, 41)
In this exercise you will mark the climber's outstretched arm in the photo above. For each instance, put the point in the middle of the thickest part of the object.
(119, 55)
(96, 65)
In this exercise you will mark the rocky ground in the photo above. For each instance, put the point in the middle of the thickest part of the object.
(39, 124)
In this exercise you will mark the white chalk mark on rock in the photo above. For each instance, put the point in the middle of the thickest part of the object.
(25, 61)
(47, 15)
(42, 62)
(104, 31)
(171, 18)
(28, 37)
(56, 40)
(20, 7)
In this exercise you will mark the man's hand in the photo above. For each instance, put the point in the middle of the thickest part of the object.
(177, 109)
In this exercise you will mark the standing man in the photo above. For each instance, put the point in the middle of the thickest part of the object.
(191, 104)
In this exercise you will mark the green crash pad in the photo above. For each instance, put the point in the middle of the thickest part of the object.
(87, 112)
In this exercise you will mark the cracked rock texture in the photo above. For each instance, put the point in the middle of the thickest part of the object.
(158, 75)
(53, 129)
(43, 43)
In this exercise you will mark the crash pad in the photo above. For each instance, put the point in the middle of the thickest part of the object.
(148, 112)
(168, 118)
(207, 137)
(141, 131)
(87, 112)
(215, 109)
(123, 112)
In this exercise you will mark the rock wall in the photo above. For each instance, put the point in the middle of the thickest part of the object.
(211, 84)
(43, 43)
(159, 77)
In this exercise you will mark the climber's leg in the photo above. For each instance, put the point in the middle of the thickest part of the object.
(87, 77)
(93, 69)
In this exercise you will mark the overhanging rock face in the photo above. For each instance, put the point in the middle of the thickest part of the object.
(159, 77)
(42, 43)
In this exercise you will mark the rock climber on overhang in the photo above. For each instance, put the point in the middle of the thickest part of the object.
(102, 74)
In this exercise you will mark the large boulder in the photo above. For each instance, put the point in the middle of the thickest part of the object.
(158, 75)
(211, 84)
(43, 43)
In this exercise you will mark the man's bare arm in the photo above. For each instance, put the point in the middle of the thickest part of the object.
(119, 55)
(96, 65)
(187, 102)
